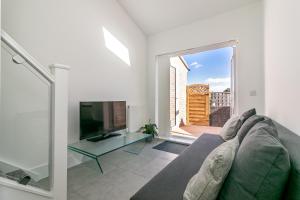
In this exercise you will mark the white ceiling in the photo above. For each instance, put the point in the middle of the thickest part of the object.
(154, 16)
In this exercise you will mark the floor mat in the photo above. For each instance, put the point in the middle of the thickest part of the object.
(171, 147)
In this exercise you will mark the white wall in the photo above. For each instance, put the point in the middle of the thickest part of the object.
(181, 83)
(70, 32)
(244, 25)
(282, 69)
(162, 90)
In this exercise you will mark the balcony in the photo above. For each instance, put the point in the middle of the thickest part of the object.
(206, 112)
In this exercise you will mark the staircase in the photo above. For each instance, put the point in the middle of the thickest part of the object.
(33, 125)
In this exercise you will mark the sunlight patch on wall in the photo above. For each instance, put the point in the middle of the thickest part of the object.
(115, 46)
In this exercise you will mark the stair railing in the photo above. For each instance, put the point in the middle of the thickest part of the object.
(57, 80)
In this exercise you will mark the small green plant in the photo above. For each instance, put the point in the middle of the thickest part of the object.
(150, 129)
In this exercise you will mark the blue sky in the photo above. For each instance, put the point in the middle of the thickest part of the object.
(211, 67)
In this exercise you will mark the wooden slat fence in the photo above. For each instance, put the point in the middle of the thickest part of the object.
(198, 104)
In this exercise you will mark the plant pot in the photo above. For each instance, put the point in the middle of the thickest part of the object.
(149, 139)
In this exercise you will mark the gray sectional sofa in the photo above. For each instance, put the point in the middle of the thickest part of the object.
(170, 183)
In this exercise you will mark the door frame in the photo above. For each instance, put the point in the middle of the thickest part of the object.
(175, 70)
(234, 81)
(233, 78)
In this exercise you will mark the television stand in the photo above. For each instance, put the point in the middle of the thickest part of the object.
(103, 137)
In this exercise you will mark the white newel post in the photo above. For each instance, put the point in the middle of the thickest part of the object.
(60, 140)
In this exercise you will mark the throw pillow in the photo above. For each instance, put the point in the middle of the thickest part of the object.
(260, 169)
(266, 125)
(247, 114)
(231, 128)
(247, 125)
(206, 184)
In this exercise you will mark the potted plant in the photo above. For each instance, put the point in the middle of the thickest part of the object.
(150, 129)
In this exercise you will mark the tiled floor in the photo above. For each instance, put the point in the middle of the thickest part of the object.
(124, 174)
(196, 131)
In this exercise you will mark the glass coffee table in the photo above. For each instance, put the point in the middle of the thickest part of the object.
(96, 149)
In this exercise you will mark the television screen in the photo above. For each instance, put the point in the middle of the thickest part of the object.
(101, 118)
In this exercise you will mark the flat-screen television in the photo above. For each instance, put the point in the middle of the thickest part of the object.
(100, 119)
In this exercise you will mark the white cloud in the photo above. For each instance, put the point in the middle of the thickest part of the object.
(218, 84)
(218, 80)
(196, 65)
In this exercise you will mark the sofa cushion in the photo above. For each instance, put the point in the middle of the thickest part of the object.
(292, 142)
(247, 125)
(261, 167)
(231, 128)
(170, 183)
(233, 125)
(206, 184)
